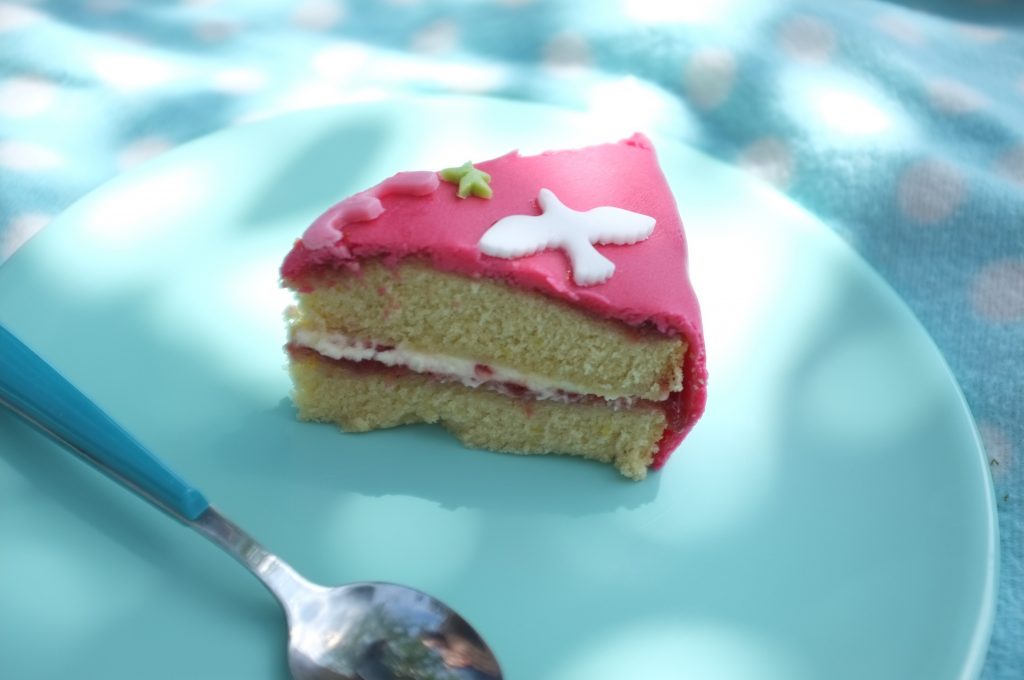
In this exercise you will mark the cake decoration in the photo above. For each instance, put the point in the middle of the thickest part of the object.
(365, 206)
(573, 231)
(470, 180)
(406, 317)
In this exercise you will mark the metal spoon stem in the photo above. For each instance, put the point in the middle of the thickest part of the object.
(277, 575)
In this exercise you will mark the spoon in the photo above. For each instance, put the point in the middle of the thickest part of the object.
(359, 631)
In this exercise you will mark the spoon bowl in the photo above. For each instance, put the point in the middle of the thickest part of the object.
(382, 630)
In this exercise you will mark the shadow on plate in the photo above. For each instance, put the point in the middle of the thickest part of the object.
(118, 515)
(427, 462)
(313, 176)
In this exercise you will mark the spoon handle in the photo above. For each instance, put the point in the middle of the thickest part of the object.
(34, 390)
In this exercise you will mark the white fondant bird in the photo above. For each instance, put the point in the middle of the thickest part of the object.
(574, 232)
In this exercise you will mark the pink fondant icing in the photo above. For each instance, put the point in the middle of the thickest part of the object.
(416, 183)
(650, 287)
(363, 207)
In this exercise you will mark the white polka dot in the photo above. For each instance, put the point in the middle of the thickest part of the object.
(997, 441)
(951, 96)
(13, 16)
(129, 71)
(216, 31)
(986, 35)
(318, 15)
(998, 448)
(141, 150)
(340, 61)
(997, 292)
(769, 159)
(19, 230)
(1011, 165)
(239, 80)
(440, 36)
(929, 191)
(22, 97)
(709, 77)
(808, 38)
(28, 157)
(567, 52)
(900, 28)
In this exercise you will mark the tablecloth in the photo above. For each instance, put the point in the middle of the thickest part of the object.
(900, 124)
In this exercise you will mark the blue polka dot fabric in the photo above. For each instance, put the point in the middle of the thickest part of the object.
(900, 124)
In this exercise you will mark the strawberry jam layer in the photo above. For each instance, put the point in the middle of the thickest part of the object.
(675, 415)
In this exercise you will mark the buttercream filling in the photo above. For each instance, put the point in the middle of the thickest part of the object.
(470, 373)
(510, 390)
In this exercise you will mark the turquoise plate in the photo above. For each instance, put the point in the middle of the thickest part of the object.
(831, 516)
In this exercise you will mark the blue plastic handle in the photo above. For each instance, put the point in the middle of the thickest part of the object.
(34, 390)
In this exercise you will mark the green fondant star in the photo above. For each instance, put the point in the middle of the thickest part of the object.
(469, 179)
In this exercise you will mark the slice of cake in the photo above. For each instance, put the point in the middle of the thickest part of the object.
(529, 304)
